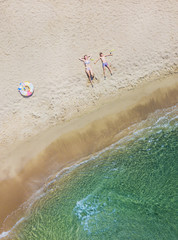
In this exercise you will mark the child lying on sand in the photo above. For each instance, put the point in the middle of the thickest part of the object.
(88, 69)
(104, 62)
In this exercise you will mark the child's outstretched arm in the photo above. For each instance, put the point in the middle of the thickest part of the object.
(108, 55)
(96, 60)
(81, 59)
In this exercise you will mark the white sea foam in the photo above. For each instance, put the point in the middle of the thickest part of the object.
(85, 210)
(136, 132)
(5, 234)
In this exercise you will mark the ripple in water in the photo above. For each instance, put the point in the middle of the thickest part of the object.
(126, 192)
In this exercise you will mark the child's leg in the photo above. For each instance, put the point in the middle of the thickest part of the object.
(88, 74)
(104, 71)
(91, 74)
(89, 77)
(109, 69)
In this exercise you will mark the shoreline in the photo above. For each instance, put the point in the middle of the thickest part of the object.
(51, 133)
(63, 145)
(66, 119)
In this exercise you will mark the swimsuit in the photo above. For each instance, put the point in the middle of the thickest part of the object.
(87, 62)
(87, 68)
(105, 64)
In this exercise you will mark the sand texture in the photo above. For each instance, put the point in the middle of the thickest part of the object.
(41, 42)
(77, 140)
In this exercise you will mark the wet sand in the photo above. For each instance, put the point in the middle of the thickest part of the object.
(65, 119)
(64, 145)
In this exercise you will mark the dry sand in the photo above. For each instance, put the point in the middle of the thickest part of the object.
(65, 145)
(41, 42)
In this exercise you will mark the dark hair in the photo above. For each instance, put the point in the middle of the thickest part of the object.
(85, 56)
(100, 53)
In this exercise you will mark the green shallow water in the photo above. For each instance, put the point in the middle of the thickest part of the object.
(126, 192)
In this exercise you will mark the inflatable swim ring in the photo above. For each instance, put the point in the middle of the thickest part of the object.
(26, 89)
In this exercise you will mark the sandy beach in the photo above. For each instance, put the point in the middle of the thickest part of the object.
(64, 145)
(41, 42)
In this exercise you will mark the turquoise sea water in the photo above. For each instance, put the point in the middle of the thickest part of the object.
(128, 191)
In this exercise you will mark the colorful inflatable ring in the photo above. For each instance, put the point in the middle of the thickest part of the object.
(26, 89)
